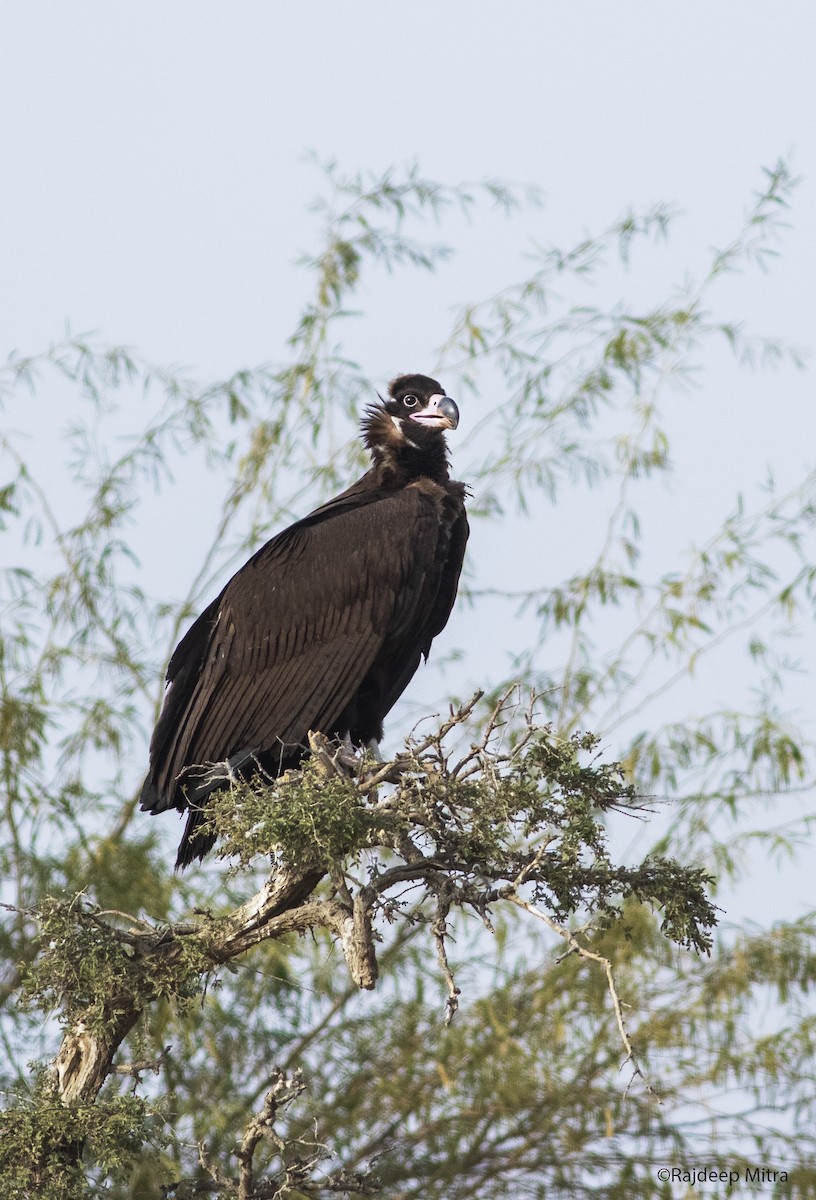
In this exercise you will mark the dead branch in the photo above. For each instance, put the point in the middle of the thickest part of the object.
(439, 929)
(582, 951)
(283, 1091)
(137, 1069)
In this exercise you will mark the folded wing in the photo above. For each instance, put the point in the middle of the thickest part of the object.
(321, 630)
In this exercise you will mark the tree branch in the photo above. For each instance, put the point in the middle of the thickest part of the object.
(575, 947)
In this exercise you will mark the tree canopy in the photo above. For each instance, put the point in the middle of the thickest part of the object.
(488, 966)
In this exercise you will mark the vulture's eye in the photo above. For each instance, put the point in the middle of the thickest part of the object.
(410, 401)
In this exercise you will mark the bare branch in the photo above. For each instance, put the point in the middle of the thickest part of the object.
(584, 952)
(284, 1090)
(439, 929)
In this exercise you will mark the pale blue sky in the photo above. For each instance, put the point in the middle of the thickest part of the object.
(153, 182)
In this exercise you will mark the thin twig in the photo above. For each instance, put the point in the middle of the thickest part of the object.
(439, 930)
(584, 952)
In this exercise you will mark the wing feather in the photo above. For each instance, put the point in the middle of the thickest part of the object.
(293, 635)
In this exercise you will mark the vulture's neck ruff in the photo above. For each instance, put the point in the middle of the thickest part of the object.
(403, 449)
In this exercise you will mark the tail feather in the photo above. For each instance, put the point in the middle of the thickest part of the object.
(194, 843)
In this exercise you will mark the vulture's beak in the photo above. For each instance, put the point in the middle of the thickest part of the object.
(440, 413)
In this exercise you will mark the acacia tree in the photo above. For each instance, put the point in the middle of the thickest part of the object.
(196, 1041)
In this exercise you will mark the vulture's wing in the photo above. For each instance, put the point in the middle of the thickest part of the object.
(434, 619)
(288, 642)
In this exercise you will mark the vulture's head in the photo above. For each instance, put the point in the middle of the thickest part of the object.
(413, 417)
(419, 400)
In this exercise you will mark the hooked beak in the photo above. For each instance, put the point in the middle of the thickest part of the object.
(439, 413)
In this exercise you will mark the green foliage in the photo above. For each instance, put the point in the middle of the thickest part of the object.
(41, 1142)
(91, 968)
(307, 818)
(533, 816)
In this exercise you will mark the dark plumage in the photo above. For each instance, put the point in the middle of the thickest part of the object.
(326, 624)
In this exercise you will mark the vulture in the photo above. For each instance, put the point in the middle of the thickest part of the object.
(324, 627)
